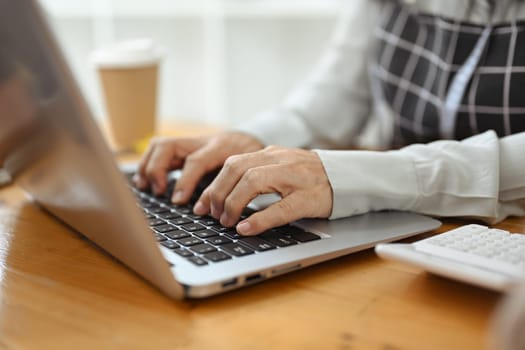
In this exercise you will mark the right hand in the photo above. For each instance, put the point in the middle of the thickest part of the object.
(195, 156)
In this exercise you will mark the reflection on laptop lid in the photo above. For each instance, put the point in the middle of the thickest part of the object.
(51, 147)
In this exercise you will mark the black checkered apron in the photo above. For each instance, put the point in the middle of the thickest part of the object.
(447, 79)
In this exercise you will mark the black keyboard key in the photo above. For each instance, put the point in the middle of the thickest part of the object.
(297, 233)
(144, 203)
(282, 241)
(178, 234)
(288, 230)
(257, 243)
(170, 244)
(236, 249)
(222, 229)
(169, 215)
(203, 248)
(209, 221)
(158, 209)
(217, 256)
(233, 234)
(155, 222)
(206, 233)
(303, 236)
(195, 217)
(198, 261)
(183, 252)
(219, 240)
(165, 200)
(278, 239)
(182, 209)
(180, 221)
(192, 227)
(164, 228)
(189, 241)
(159, 237)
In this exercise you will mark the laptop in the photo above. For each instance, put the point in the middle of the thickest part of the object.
(51, 146)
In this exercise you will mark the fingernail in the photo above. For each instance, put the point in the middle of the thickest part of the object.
(244, 228)
(177, 196)
(199, 208)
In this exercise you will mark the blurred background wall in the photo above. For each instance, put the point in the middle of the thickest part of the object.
(226, 59)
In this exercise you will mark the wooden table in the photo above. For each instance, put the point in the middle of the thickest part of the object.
(60, 292)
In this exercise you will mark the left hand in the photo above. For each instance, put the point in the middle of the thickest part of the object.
(297, 175)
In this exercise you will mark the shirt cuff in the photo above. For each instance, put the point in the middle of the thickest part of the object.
(364, 181)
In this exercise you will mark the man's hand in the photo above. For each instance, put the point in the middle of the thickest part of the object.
(297, 175)
(196, 157)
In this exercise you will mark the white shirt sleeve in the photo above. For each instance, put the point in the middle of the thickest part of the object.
(333, 105)
(482, 176)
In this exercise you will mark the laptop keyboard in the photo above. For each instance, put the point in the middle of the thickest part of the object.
(202, 239)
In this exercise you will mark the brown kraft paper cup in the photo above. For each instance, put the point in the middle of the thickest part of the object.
(130, 95)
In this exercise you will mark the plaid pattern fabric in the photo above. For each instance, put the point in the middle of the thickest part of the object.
(418, 57)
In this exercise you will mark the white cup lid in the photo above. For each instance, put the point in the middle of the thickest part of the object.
(129, 54)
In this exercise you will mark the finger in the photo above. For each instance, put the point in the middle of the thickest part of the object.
(280, 213)
(233, 170)
(255, 181)
(195, 167)
(140, 179)
(161, 160)
(202, 207)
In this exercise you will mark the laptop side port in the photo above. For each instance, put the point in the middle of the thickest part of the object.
(256, 277)
(229, 283)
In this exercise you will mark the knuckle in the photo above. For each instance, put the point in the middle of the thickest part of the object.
(155, 141)
(151, 168)
(215, 198)
(275, 153)
(193, 158)
(194, 162)
(160, 141)
(251, 177)
(271, 148)
(232, 164)
(221, 139)
(274, 149)
(285, 209)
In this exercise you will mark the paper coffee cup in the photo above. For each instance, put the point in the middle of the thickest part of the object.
(129, 77)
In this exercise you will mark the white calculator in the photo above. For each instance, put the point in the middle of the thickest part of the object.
(475, 254)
